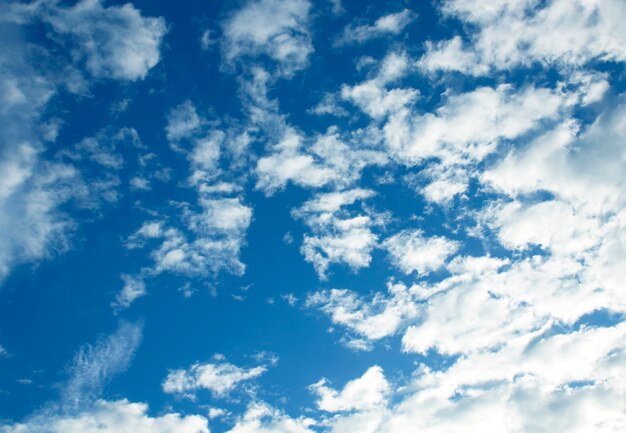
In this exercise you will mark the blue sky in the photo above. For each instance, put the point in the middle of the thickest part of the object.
(304, 216)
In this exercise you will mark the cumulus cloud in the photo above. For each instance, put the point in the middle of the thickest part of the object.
(466, 129)
(120, 416)
(412, 252)
(371, 318)
(374, 98)
(276, 29)
(219, 377)
(365, 392)
(261, 417)
(391, 24)
(523, 33)
(115, 41)
(338, 236)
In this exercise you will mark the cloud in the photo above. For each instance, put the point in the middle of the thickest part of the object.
(115, 41)
(262, 418)
(372, 318)
(95, 365)
(32, 190)
(220, 377)
(275, 29)
(182, 122)
(391, 24)
(119, 416)
(367, 391)
(211, 242)
(466, 129)
(520, 34)
(339, 236)
(134, 288)
(373, 97)
(412, 252)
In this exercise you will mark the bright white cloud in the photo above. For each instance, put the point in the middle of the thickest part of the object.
(369, 390)
(469, 126)
(119, 416)
(466, 129)
(375, 318)
(338, 236)
(522, 33)
(219, 377)
(262, 418)
(374, 98)
(411, 251)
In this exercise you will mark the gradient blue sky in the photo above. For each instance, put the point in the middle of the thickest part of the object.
(312, 216)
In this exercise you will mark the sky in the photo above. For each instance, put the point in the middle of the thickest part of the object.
(312, 216)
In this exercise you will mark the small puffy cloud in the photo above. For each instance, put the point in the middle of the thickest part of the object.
(219, 377)
(119, 416)
(276, 29)
(365, 392)
(411, 252)
(134, 288)
(116, 41)
(374, 98)
(289, 163)
(391, 24)
(182, 122)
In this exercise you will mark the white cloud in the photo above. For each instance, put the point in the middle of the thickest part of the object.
(94, 366)
(116, 41)
(391, 24)
(375, 318)
(288, 163)
(469, 126)
(211, 243)
(338, 236)
(369, 390)
(412, 252)
(329, 161)
(466, 129)
(262, 418)
(134, 288)
(272, 28)
(182, 122)
(3, 352)
(119, 416)
(373, 97)
(220, 377)
(521, 33)
(32, 190)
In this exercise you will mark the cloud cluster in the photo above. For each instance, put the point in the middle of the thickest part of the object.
(522, 33)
